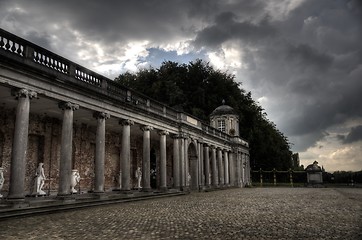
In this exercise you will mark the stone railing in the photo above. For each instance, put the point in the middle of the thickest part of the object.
(34, 56)
(276, 177)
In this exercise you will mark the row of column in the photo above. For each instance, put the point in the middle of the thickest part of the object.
(221, 167)
(227, 168)
(20, 141)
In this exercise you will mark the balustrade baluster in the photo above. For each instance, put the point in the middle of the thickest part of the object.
(19, 51)
(13, 48)
(36, 57)
(7, 45)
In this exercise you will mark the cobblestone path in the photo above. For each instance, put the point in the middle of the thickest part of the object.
(248, 213)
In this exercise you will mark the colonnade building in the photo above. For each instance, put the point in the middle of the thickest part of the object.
(56, 112)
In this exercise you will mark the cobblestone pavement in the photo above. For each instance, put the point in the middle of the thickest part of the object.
(249, 213)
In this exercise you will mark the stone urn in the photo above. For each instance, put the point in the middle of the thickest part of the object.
(74, 180)
(2, 179)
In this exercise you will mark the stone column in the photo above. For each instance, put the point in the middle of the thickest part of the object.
(182, 162)
(207, 166)
(187, 162)
(125, 154)
(201, 165)
(100, 151)
(232, 168)
(176, 161)
(215, 181)
(163, 166)
(20, 144)
(66, 147)
(226, 168)
(238, 169)
(220, 164)
(247, 160)
(146, 162)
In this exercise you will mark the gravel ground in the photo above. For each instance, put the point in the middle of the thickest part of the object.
(248, 213)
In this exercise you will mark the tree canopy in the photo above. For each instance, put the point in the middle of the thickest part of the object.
(197, 88)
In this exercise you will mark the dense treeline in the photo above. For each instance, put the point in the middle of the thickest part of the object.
(197, 88)
(343, 177)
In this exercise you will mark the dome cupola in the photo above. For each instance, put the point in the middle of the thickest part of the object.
(226, 119)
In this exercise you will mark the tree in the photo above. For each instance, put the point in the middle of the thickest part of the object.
(197, 88)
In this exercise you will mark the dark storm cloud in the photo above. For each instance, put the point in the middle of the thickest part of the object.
(227, 27)
(310, 68)
(307, 62)
(304, 55)
(354, 135)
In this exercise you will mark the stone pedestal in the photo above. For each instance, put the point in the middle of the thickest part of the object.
(314, 174)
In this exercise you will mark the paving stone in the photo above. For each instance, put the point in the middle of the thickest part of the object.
(249, 213)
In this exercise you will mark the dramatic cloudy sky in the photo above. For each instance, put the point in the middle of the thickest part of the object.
(301, 59)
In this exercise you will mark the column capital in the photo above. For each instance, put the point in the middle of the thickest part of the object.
(68, 105)
(184, 135)
(101, 115)
(23, 93)
(176, 136)
(163, 132)
(126, 122)
(146, 128)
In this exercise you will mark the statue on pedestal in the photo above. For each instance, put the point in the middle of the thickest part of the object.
(138, 175)
(2, 179)
(39, 180)
(75, 178)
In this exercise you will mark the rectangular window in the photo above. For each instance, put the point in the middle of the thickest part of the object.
(221, 125)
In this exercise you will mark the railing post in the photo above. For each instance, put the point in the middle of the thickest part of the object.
(291, 176)
(261, 177)
(275, 176)
(71, 70)
(104, 84)
(29, 53)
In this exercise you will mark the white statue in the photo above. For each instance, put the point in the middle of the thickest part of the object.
(39, 180)
(75, 178)
(138, 175)
(188, 179)
(2, 179)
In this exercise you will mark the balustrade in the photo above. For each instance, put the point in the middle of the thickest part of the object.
(275, 177)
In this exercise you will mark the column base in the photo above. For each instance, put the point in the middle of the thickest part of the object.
(17, 203)
(100, 195)
(185, 189)
(66, 198)
(146, 190)
(20, 197)
(127, 192)
(163, 189)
